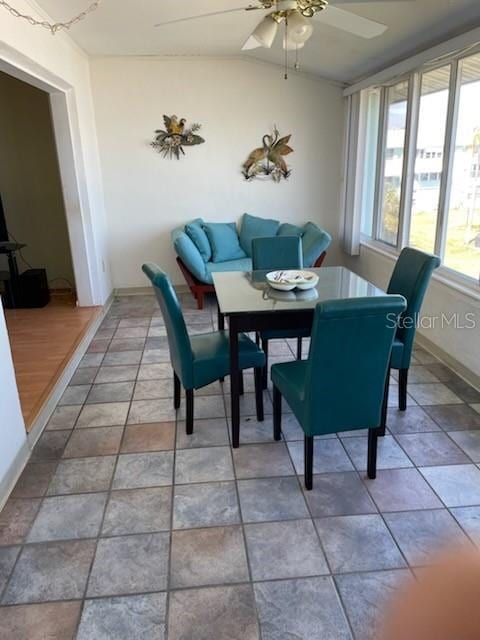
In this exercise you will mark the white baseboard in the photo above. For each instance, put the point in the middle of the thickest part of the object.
(146, 291)
(21, 459)
(467, 375)
(133, 291)
(9, 480)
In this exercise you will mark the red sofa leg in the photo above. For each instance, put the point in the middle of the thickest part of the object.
(320, 259)
(198, 289)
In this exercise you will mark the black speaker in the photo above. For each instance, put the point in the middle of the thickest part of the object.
(32, 289)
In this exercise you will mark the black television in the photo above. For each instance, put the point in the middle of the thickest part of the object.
(3, 224)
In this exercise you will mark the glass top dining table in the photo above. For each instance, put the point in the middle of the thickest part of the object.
(252, 305)
(249, 292)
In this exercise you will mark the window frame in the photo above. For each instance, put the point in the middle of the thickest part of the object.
(414, 79)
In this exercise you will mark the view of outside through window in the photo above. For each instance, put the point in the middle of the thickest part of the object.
(393, 163)
(462, 250)
(461, 221)
(432, 121)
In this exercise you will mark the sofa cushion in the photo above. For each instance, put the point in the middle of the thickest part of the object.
(189, 254)
(287, 229)
(253, 227)
(197, 235)
(243, 264)
(224, 241)
(314, 242)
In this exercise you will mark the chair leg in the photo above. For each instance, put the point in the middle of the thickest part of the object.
(265, 370)
(372, 453)
(277, 414)
(241, 389)
(308, 454)
(402, 389)
(257, 338)
(176, 391)
(189, 422)
(199, 299)
(259, 393)
(383, 421)
(299, 348)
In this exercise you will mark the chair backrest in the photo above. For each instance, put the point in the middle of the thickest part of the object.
(348, 362)
(181, 355)
(410, 279)
(279, 252)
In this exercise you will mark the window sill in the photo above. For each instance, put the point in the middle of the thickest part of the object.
(445, 276)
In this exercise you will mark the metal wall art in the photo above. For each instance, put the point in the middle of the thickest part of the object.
(267, 161)
(170, 142)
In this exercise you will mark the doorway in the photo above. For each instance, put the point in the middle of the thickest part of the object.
(45, 321)
(32, 211)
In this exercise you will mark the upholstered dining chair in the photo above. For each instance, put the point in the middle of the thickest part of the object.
(200, 359)
(410, 278)
(340, 386)
(280, 252)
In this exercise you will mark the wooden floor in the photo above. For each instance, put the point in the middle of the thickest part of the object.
(42, 342)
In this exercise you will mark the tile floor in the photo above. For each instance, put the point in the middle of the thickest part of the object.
(122, 527)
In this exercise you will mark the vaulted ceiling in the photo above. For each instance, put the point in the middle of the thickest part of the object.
(126, 27)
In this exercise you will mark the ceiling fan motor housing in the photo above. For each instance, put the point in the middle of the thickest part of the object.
(308, 8)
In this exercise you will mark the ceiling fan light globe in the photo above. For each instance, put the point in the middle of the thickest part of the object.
(299, 28)
(264, 33)
(251, 43)
(289, 45)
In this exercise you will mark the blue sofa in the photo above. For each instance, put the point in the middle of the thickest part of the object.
(204, 248)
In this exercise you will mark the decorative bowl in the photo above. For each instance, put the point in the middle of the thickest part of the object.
(289, 280)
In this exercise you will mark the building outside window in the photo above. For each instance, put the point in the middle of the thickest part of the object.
(421, 174)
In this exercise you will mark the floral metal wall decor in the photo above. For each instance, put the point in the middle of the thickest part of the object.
(170, 142)
(267, 161)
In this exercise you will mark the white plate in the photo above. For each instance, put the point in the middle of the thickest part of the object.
(289, 280)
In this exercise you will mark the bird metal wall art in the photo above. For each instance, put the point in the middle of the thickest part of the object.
(170, 142)
(267, 161)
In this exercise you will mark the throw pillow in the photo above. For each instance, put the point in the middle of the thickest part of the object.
(287, 229)
(224, 241)
(197, 235)
(254, 227)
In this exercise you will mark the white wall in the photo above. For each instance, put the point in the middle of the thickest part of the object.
(461, 345)
(236, 102)
(46, 61)
(30, 183)
(34, 53)
(13, 437)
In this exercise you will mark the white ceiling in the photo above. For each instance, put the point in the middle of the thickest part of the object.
(125, 27)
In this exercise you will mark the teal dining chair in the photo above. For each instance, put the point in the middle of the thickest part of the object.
(278, 252)
(410, 278)
(200, 359)
(340, 386)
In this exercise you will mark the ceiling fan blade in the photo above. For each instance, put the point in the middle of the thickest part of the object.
(351, 22)
(208, 15)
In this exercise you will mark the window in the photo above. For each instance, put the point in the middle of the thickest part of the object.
(397, 99)
(462, 245)
(421, 177)
(370, 159)
(432, 121)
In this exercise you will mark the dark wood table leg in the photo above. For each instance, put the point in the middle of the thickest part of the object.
(221, 320)
(234, 382)
(221, 326)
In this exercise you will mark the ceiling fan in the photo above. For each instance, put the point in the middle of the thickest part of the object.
(297, 15)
